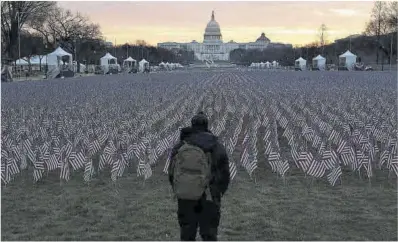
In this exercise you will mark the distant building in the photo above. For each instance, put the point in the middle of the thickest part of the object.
(213, 47)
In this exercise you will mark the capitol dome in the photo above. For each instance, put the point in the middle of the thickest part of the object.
(212, 31)
(263, 38)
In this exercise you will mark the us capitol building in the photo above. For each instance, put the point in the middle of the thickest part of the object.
(213, 47)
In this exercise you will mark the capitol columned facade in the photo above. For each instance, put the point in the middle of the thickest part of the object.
(213, 47)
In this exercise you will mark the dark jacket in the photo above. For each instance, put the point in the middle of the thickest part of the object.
(220, 165)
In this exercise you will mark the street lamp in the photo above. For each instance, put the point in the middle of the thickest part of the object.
(46, 67)
(77, 40)
(391, 50)
(19, 34)
(19, 37)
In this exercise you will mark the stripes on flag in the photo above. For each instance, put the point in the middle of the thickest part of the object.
(282, 167)
(144, 169)
(334, 175)
(316, 169)
(233, 170)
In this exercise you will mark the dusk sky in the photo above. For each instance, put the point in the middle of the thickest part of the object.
(288, 22)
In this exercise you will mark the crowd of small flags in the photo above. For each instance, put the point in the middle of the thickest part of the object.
(92, 126)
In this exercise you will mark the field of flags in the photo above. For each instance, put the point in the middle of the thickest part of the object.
(318, 122)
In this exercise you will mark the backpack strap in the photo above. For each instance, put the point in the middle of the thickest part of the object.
(207, 190)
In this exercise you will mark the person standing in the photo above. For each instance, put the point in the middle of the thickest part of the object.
(199, 176)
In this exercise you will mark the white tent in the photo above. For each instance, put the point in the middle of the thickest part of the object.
(318, 63)
(108, 59)
(162, 66)
(109, 64)
(267, 64)
(143, 64)
(129, 62)
(275, 64)
(55, 57)
(21, 62)
(35, 60)
(262, 64)
(347, 60)
(300, 64)
(82, 67)
(169, 66)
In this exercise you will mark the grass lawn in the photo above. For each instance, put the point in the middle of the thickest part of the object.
(265, 210)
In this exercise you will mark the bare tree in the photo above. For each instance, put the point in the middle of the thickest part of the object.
(14, 15)
(377, 26)
(141, 42)
(392, 16)
(322, 36)
(62, 27)
(31, 45)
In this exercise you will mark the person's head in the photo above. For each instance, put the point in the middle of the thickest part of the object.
(200, 122)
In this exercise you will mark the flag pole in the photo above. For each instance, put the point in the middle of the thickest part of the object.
(391, 51)
(114, 47)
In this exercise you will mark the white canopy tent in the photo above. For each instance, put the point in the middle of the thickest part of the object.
(143, 64)
(34, 60)
(55, 62)
(162, 65)
(54, 58)
(256, 65)
(21, 62)
(318, 63)
(129, 62)
(108, 59)
(39, 59)
(262, 65)
(300, 64)
(82, 67)
(267, 64)
(347, 60)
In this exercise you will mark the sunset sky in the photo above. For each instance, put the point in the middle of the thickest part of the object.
(287, 22)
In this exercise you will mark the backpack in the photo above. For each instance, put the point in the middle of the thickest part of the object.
(192, 172)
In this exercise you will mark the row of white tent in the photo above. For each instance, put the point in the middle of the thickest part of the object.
(264, 65)
(54, 58)
(170, 66)
(108, 59)
(59, 59)
(346, 60)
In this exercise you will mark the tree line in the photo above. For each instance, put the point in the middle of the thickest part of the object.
(40, 27)
(373, 45)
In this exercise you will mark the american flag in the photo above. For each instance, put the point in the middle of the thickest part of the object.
(129, 126)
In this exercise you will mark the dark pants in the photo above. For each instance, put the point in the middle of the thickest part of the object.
(202, 213)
